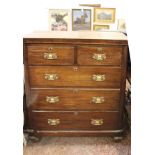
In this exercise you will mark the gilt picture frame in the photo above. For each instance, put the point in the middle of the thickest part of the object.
(59, 19)
(104, 15)
(81, 19)
(101, 27)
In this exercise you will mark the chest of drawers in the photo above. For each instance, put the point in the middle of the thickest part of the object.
(75, 83)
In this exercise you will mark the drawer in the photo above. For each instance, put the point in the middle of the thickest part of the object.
(109, 77)
(45, 54)
(87, 55)
(81, 99)
(75, 120)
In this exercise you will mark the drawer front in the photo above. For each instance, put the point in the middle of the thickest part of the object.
(73, 99)
(74, 76)
(99, 55)
(44, 54)
(75, 120)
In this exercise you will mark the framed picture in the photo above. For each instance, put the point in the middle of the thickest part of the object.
(81, 19)
(58, 19)
(121, 25)
(101, 27)
(90, 5)
(104, 15)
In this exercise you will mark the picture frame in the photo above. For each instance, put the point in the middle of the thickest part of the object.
(81, 19)
(101, 27)
(59, 19)
(90, 5)
(104, 15)
(121, 25)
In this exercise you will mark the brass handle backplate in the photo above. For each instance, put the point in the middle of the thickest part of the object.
(53, 121)
(51, 76)
(50, 56)
(96, 121)
(99, 57)
(98, 77)
(52, 99)
(97, 100)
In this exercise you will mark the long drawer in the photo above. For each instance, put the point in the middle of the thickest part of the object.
(45, 76)
(106, 55)
(75, 99)
(46, 54)
(75, 120)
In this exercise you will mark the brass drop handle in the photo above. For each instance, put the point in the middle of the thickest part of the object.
(98, 100)
(50, 56)
(53, 122)
(51, 77)
(96, 121)
(52, 99)
(98, 77)
(99, 57)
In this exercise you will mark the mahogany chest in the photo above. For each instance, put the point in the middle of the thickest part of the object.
(75, 83)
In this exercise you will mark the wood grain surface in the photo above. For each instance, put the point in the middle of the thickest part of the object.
(75, 120)
(75, 99)
(113, 55)
(74, 86)
(74, 76)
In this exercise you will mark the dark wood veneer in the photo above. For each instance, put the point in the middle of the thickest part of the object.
(113, 55)
(65, 54)
(75, 87)
(75, 76)
(75, 120)
(75, 99)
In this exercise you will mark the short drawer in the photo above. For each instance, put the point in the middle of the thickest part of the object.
(45, 54)
(87, 55)
(75, 99)
(74, 120)
(109, 77)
